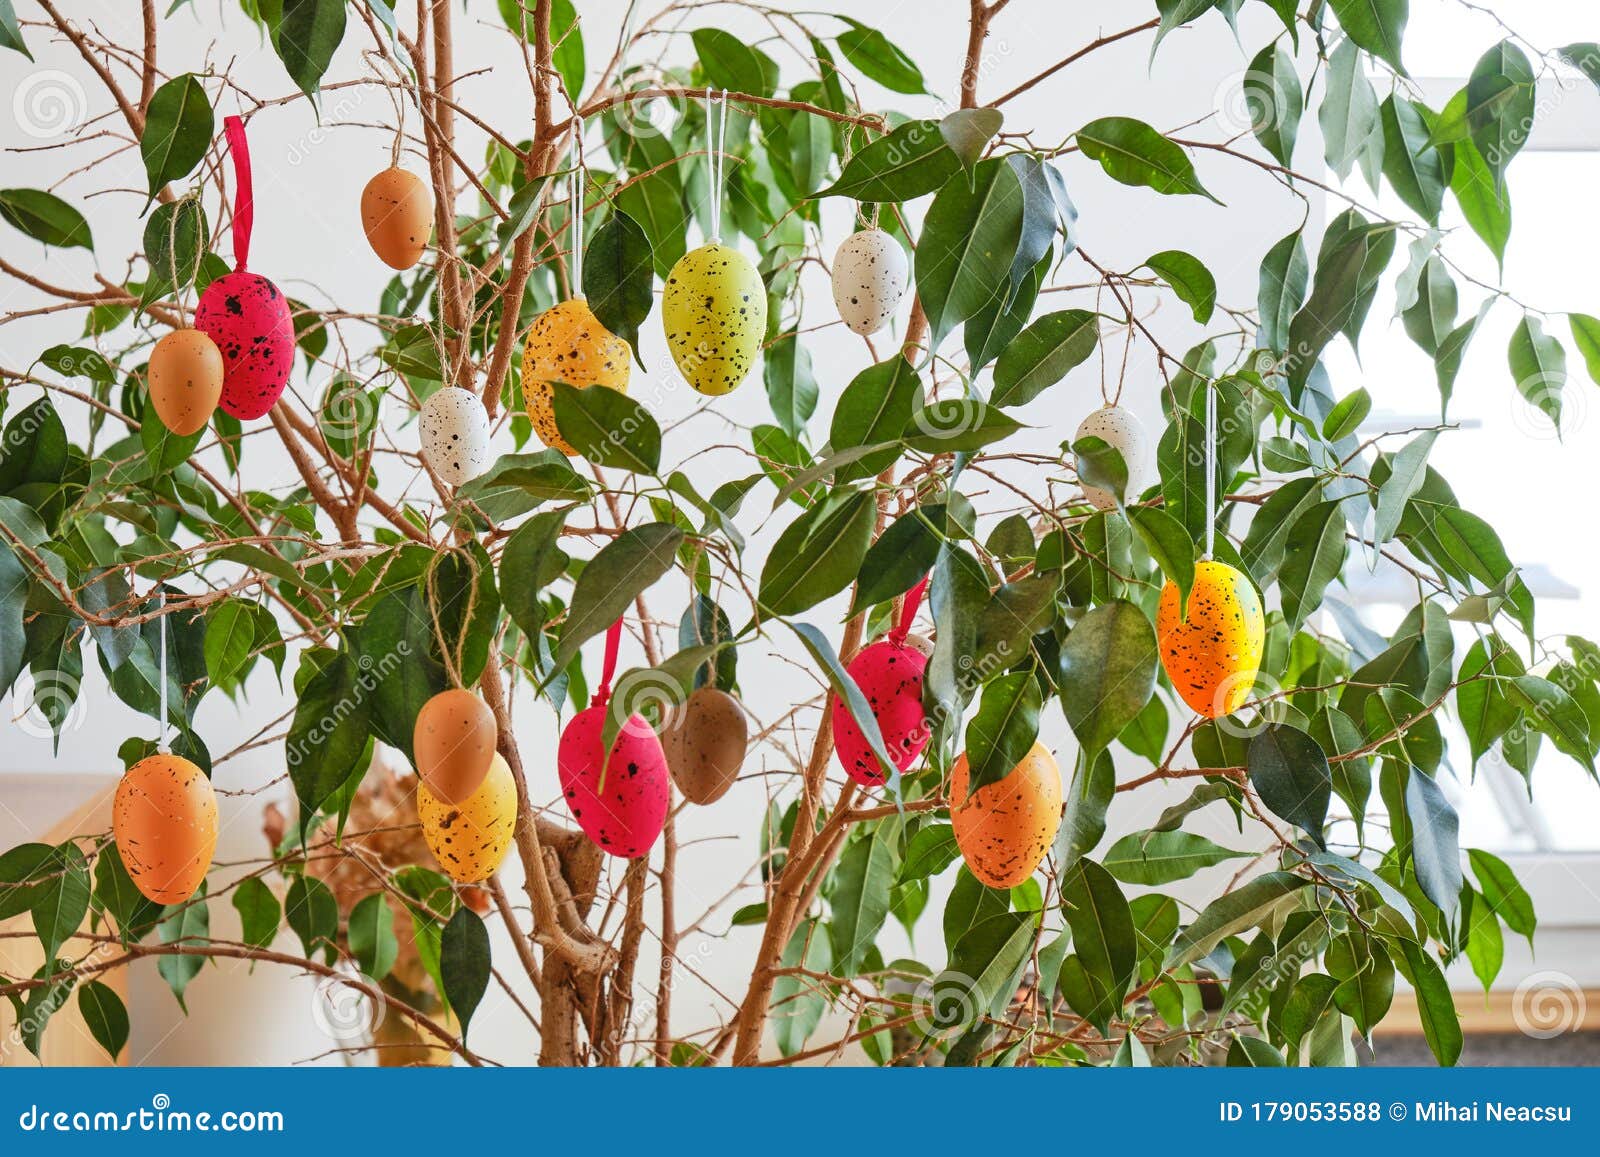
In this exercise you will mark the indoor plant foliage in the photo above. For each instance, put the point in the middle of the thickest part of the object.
(373, 582)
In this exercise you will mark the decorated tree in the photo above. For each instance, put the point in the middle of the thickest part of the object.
(483, 507)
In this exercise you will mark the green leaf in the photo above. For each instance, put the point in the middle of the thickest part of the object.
(1285, 274)
(1435, 1004)
(619, 276)
(1189, 279)
(60, 899)
(1103, 938)
(371, 935)
(1353, 258)
(230, 630)
(1244, 907)
(1347, 415)
(1435, 849)
(1585, 57)
(45, 217)
(1586, 336)
(1274, 99)
(1432, 317)
(259, 912)
(1414, 167)
(823, 654)
(1005, 727)
(1133, 153)
(566, 35)
(1539, 367)
(105, 1015)
(624, 568)
(10, 30)
(909, 162)
(329, 733)
(985, 966)
(859, 900)
(1379, 26)
(879, 60)
(1407, 471)
(1352, 129)
(1484, 203)
(1168, 545)
(1314, 555)
(1043, 354)
(1551, 711)
(952, 425)
(1155, 858)
(1503, 892)
(900, 557)
(791, 385)
(796, 1006)
(313, 915)
(968, 242)
(874, 409)
(819, 554)
(175, 240)
(178, 129)
(305, 33)
(731, 63)
(930, 852)
(187, 924)
(1253, 1052)
(1486, 947)
(1290, 774)
(1084, 822)
(114, 893)
(1501, 106)
(464, 963)
(607, 427)
(968, 132)
(1107, 672)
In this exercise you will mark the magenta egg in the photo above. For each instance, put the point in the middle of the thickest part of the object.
(249, 320)
(620, 805)
(889, 673)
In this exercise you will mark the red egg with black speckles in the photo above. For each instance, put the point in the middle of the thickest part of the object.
(889, 673)
(620, 803)
(248, 318)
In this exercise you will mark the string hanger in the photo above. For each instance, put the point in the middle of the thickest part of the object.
(163, 747)
(1211, 472)
(575, 211)
(716, 144)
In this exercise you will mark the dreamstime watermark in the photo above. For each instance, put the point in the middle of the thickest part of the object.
(1544, 408)
(159, 1117)
(48, 104)
(370, 673)
(301, 150)
(1252, 101)
(1548, 1004)
(57, 990)
(50, 703)
(348, 1008)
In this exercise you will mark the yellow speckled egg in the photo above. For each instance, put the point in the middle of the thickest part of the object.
(164, 819)
(1212, 656)
(1005, 828)
(471, 839)
(567, 343)
(714, 309)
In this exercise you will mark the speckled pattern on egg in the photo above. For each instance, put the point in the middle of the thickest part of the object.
(1005, 828)
(1212, 656)
(164, 819)
(890, 676)
(620, 804)
(714, 309)
(705, 741)
(470, 840)
(567, 343)
(455, 434)
(870, 276)
(1120, 429)
(249, 320)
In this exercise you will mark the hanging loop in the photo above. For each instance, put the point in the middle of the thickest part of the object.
(1211, 472)
(602, 693)
(244, 204)
(908, 611)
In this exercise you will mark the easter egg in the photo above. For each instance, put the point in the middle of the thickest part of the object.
(470, 839)
(870, 275)
(1005, 828)
(704, 741)
(397, 215)
(164, 819)
(1119, 429)
(620, 802)
(889, 674)
(714, 308)
(249, 320)
(454, 742)
(185, 377)
(1213, 654)
(567, 343)
(455, 434)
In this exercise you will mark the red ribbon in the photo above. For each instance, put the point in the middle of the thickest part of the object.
(244, 208)
(609, 668)
(908, 612)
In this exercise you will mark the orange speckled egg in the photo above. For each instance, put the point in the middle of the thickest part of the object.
(1212, 656)
(1004, 829)
(185, 380)
(454, 742)
(164, 819)
(397, 214)
(568, 344)
(470, 840)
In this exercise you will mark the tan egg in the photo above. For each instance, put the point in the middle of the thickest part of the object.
(921, 644)
(1005, 828)
(164, 819)
(185, 377)
(397, 214)
(705, 741)
(470, 840)
(567, 343)
(454, 742)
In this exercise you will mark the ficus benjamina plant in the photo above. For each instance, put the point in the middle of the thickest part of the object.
(367, 582)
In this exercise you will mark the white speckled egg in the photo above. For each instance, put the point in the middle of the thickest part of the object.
(1118, 428)
(870, 275)
(455, 435)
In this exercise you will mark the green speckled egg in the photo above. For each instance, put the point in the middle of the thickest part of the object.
(715, 312)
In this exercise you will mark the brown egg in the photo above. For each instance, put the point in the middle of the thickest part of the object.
(921, 644)
(454, 741)
(397, 213)
(470, 840)
(164, 819)
(1004, 829)
(705, 742)
(185, 378)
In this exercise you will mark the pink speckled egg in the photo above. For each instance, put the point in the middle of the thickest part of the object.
(249, 320)
(889, 673)
(621, 804)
